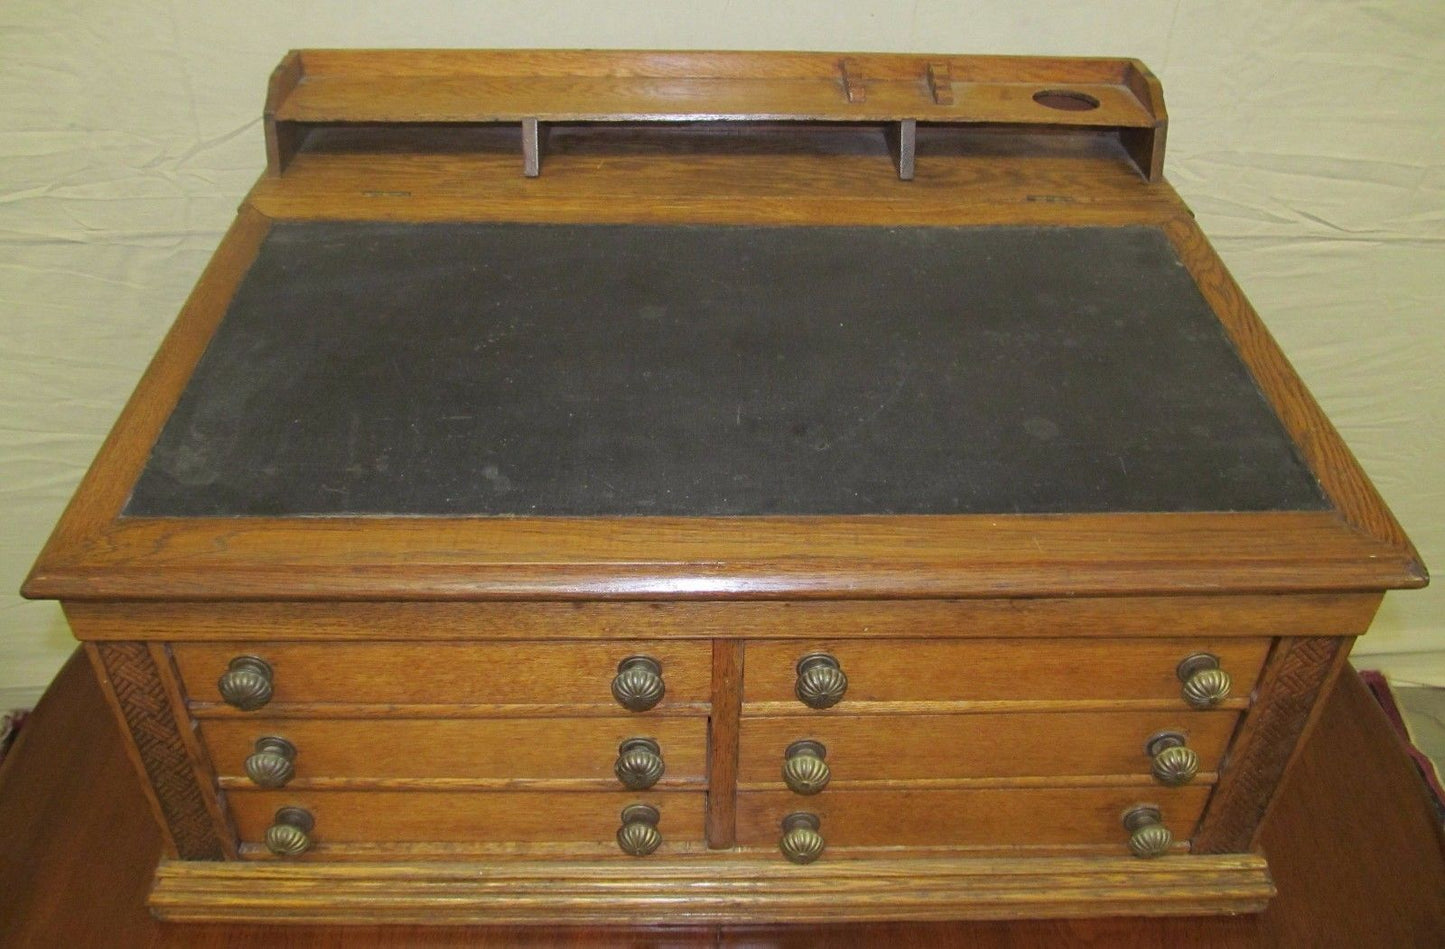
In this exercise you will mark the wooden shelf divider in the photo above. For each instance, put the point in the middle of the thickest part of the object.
(314, 88)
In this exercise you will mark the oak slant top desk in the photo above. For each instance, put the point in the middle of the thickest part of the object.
(716, 486)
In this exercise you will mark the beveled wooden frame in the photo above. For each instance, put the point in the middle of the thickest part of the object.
(96, 553)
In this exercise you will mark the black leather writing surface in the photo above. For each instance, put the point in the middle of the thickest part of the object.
(483, 369)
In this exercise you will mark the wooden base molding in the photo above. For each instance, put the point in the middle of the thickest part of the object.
(692, 891)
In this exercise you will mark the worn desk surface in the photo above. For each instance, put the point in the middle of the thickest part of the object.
(1355, 853)
(588, 370)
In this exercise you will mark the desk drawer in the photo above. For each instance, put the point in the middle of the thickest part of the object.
(517, 752)
(467, 817)
(445, 673)
(870, 748)
(996, 670)
(1014, 817)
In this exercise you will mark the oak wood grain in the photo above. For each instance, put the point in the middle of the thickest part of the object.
(282, 138)
(517, 752)
(1329, 457)
(973, 817)
(751, 176)
(918, 889)
(1066, 670)
(78, 865)
(520, 673)
(95, 555)
(1027, 649)
(202, 711)
(320, 87)
(868, 749)
(723, 736)
(139, 686)
(1146, 146)
(365, 99)
(1297, 674)
(1340, 614)
(102, 491)
(513, 817)
(700, 64)
(719, 558)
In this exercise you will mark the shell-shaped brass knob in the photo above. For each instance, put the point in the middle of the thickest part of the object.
(802, 843)
(1174, 763)
(821, 682)
(246, 683)
(290, 833)
(804, 769)
(273, 763)
(1147, 836)
(1205, 684)
(638, 684)
(639, 763)
(638, 834)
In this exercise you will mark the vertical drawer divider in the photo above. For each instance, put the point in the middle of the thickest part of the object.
(723, 728)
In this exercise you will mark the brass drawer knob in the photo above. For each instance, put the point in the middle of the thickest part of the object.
(273, 763)
(1174, 763)
(802, 843)
(1147, 836)
(1205, 684)
(638, 834)
(804, 769)
(639, 763)
(638, 684)
(821, 682)
(246, 683)
(290, 833)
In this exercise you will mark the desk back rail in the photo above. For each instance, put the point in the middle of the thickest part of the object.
(319, 88)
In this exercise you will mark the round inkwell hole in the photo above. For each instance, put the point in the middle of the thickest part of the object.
(1066, 100)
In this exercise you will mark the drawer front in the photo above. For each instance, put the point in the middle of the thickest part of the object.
(515, 750)
(469, 817)
(1014, 745)
(502, 673)
(1010, 817)
(983, 670)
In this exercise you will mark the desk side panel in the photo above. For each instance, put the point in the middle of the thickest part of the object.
(1297, 676)
(141, 686)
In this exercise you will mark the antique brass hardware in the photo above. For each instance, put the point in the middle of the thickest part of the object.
(1174, 762)
(638, 834)
(246, 683)
(821, 682)
(802, 843)
(1147, 836)
(1205, 684)
(290, 833)
(638, 685)
(639, 763)
(804, 769)
(273, 763)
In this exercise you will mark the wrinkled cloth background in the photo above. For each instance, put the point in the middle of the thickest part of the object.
(1306, 134)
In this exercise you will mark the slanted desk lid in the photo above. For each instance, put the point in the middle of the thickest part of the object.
(579, 370)
(937, 327)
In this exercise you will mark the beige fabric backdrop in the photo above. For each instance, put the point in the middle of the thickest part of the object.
(1306, 134)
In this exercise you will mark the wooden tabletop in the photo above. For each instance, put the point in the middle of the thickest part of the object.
(1355, 852)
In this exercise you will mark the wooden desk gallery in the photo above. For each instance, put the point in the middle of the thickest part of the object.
(676, 487)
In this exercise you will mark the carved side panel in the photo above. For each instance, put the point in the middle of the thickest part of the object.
(141, 698)
(1294, 680)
